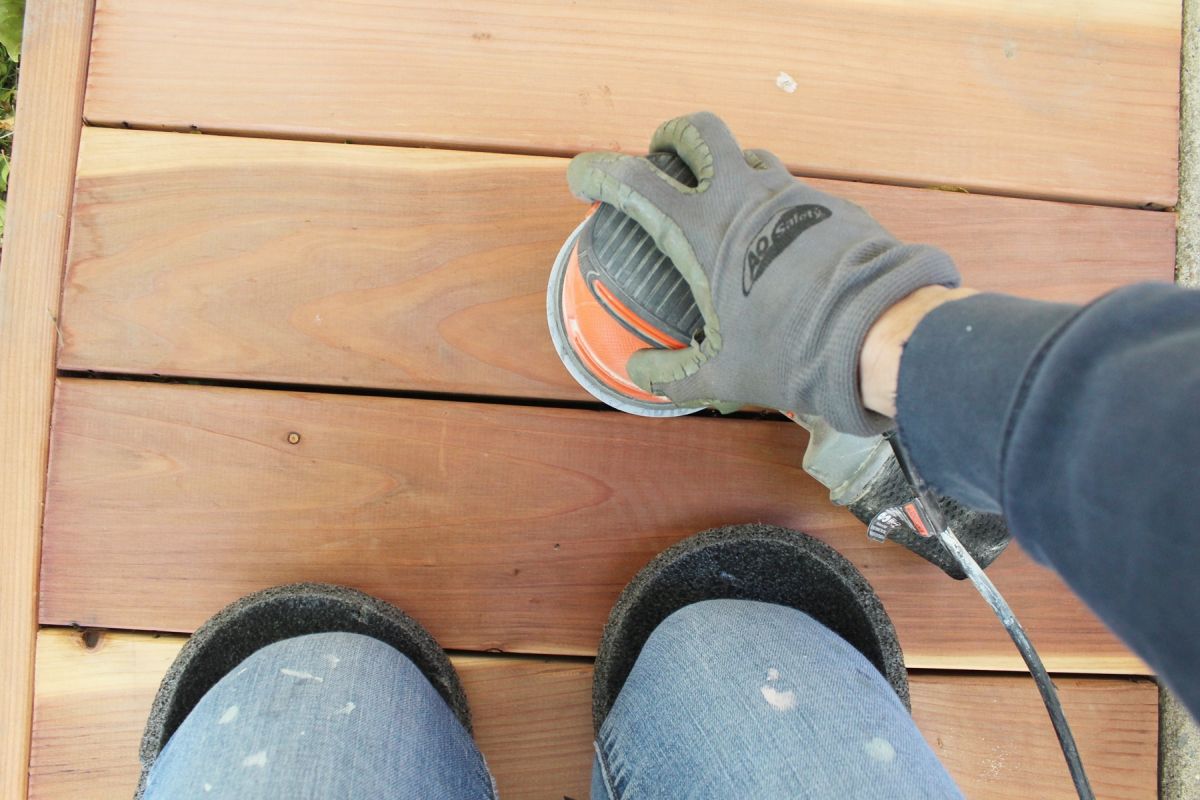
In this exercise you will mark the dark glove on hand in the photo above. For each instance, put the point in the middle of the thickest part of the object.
(788, 279)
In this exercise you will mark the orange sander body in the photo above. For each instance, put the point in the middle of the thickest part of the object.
(613, 292)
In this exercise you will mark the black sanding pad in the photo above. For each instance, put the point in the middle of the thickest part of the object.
(284, 612)
(746, 562)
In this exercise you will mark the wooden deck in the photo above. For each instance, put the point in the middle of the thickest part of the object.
(271, 309)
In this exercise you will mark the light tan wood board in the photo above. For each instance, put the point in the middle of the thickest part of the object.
(426, 270)
(45, 143)
(533, 724)
(499, 527)
(1075, 100)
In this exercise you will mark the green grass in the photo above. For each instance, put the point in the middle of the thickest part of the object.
(12, 17)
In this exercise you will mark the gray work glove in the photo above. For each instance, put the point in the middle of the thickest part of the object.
(788, 279)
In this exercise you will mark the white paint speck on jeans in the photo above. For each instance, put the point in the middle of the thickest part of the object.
(229, 716)
(780, 701)
(258, 759)
(880, 750)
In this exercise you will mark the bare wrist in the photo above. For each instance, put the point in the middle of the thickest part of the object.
(879, 362)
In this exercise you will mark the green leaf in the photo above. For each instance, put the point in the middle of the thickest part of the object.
(3, 209)
(4, 165)
(12, 20)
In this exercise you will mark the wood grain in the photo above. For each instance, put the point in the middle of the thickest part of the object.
(499, 527)
(45, 144)
(1073, 100)
(412, 269)
(533, 724)
(993, 735)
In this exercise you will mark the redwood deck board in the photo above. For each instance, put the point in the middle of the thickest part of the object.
(533, 724)
(57, 34)
(425, 270)
(258, 258)
(1037, 98)
(499, 527)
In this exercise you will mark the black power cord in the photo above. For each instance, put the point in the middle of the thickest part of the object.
(935, 524)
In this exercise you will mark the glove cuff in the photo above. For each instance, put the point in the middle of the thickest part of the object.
(864, 290)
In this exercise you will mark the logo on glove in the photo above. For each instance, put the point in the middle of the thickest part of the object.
(775, 236)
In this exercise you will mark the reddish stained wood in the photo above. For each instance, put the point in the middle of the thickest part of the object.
(426, 270)
(499, 527)
(1028, 97)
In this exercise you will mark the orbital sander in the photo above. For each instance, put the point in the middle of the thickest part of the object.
(612, 292)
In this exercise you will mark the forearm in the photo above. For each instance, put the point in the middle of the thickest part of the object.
(1080, 424)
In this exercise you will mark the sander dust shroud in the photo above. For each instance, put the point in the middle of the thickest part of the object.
(612, 292)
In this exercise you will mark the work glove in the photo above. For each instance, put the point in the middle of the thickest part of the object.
(788, 279)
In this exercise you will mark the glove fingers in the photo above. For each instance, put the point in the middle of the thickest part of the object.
(662, 371)
(653, 199)
(619, 179)
(763, 160)
(772, 171)
(702, 141)
(693, 391)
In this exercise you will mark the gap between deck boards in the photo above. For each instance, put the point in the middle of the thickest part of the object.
(764, 415)
(565, 153)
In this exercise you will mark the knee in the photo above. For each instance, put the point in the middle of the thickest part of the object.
(730, 624)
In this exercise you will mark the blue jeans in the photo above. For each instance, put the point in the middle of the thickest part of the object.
(729, 699)
(735, 699)
(328, 715)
